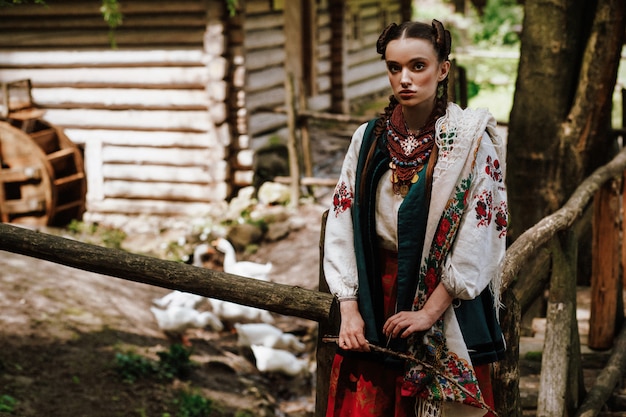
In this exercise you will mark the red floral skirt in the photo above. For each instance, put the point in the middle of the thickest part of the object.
(361, 388)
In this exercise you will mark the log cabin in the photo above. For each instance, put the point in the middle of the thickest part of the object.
(169, 108)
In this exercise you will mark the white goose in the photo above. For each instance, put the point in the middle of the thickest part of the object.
(277, 360)
(242, 268)
(174, 321)
(237, 313)
(179, 299)
(265, 334)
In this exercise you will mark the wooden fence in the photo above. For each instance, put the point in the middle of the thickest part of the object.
(553, 240)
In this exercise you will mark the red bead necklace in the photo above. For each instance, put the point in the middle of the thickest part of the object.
(409, 151)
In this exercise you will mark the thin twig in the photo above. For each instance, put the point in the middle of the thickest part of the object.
(400, 355)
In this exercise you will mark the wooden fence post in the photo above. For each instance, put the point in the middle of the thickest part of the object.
(506, 371)
(294, 163)
(325, 351)
(605, 251)
(559, 386)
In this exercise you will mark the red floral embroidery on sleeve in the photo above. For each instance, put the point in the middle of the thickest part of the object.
(492, 168)
(502, 215)
(483, 208)
(342, 198)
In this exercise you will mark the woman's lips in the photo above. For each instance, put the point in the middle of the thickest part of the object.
(406, 94)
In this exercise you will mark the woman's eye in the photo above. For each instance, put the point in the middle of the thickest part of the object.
(393, 68)
(418, 66)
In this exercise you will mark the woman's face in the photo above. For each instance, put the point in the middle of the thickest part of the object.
(414, 72)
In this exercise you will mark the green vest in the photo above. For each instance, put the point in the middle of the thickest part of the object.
(477, 317)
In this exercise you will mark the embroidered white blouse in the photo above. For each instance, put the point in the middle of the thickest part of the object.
(475, 260)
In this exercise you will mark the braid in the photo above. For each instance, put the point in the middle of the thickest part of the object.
(441, 102)
(379, 127)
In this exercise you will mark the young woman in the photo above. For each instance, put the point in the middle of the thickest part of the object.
(414, 243)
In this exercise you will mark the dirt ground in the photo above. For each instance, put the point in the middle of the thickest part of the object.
(60, 329)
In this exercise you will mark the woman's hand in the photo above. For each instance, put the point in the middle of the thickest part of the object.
(352, 328)
(405, 323)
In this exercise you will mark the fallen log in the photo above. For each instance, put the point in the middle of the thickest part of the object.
(278, 298)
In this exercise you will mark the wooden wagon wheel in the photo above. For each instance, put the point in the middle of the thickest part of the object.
(42, 181)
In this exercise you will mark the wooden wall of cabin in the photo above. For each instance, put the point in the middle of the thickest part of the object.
(365, 74)
(328, 46)
(150, 114)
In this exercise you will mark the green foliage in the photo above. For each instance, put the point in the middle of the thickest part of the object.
(131, 366)
(7, 403)
(534, 356)
(244, 413)
(193, 405)
(112, 15)
(232, 6)
(176, 362)
(500, 23)
(94, 233)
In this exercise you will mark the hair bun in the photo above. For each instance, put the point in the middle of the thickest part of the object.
(383, 39)
(443, 38)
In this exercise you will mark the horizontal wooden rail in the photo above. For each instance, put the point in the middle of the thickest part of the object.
(532, 239)
(278, 298)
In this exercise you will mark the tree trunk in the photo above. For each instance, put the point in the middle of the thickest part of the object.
(558, 124)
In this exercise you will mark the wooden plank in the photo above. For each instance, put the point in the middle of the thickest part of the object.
(253, 7)
(366, 71)
(121, 98)
(264, 99)
(158, 191)
(365, 56)
(167, 77)
(159, 156)
(160, 173)
(74, 8)
(368, 88)
(96, 22)
(265, 79)
(264, 39)
(186, 121)
(152, 207)
(309, 181)
(264, 122)
(149, 139)
(265, 21)
(260, 59)
(102, 58)
(605, 267)
(124, 37)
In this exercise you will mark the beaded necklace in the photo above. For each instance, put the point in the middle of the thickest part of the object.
(408, 151)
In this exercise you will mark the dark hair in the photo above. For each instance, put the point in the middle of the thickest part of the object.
(442, 42)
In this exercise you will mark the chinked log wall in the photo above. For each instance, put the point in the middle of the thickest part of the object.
(561, 341)
(151, 114)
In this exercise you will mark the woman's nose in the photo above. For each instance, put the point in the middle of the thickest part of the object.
(405, 79)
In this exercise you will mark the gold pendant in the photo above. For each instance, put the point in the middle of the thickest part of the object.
(404, 189)
(415, 178)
